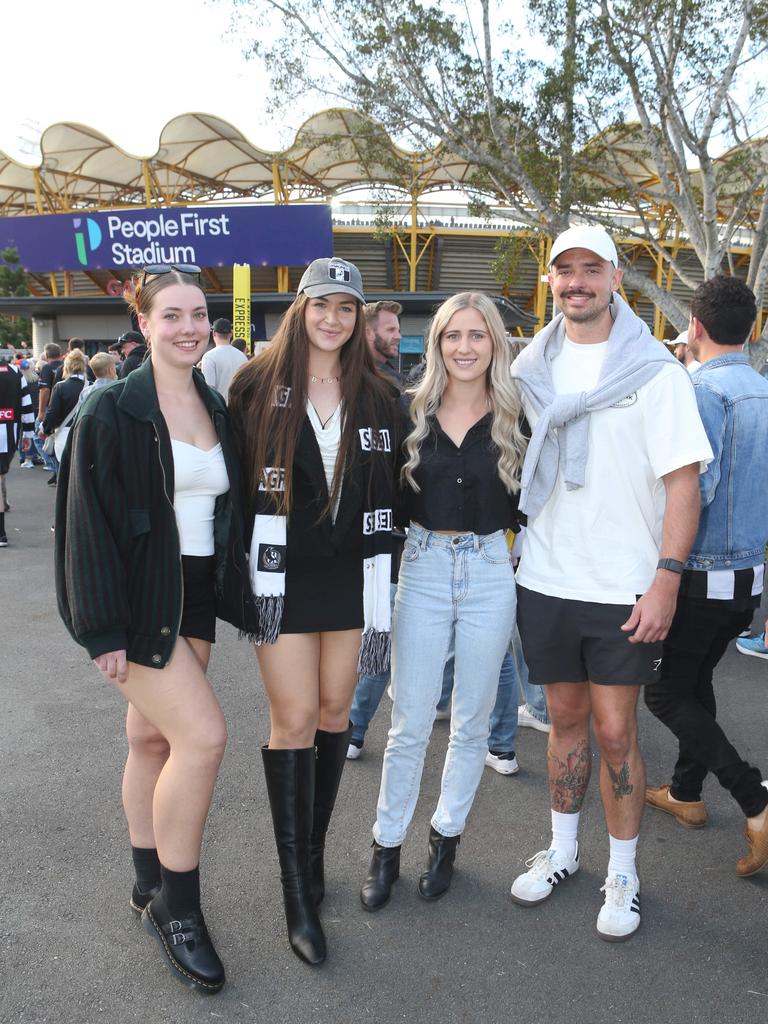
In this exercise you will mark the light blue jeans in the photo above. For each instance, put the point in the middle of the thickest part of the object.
(454, 591)
(514, 671)
(368, 694)
(533, 695)
(50, 460)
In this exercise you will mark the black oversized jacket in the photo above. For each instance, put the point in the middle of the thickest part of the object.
(118, 560)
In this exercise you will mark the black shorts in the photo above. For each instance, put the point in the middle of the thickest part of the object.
(578, 641)
(6, 458)
(198, 615)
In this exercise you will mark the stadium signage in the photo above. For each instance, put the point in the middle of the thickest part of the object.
(271, 236)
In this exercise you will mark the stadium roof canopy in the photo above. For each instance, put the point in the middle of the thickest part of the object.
(201, 159)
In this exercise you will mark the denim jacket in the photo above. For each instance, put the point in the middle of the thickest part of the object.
(733, 404)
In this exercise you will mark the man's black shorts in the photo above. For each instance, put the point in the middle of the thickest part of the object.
(574, 641)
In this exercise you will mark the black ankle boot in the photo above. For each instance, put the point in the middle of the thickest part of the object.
(436, 880)
(331, 750)
(140, 898)
(291, 787)
(186, 944)
(382, 874)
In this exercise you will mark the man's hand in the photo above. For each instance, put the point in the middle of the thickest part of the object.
(652, 615)
(114, 665)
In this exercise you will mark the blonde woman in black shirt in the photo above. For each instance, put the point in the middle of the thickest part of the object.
(460, 461)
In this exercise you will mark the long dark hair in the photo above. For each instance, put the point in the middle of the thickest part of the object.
(269, 417)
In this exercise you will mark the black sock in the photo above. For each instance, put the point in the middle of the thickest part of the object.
(2, 520)
(146, 864)
(181, 891)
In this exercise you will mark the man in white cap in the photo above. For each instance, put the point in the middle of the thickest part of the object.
(683, 354)
(610, 487)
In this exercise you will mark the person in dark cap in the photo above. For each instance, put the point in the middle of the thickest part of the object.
(133, 349)
(222, 361)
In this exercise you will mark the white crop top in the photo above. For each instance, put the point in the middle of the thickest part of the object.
(328, 441)
(200, 477)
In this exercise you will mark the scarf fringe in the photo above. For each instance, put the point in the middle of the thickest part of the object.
(269, 612)
(374, 653)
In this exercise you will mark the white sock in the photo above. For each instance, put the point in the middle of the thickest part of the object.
(623, 853)
(565, 828)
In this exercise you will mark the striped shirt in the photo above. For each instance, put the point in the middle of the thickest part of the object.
(741, 589)
(16, 412)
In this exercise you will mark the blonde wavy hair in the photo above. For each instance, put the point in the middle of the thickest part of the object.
(503, 397)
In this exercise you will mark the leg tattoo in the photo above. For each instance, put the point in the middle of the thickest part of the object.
(568, 779)
(620, 780)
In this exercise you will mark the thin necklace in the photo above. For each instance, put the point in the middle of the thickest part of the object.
(324, 380)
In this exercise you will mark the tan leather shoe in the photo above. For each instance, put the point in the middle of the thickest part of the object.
(757, 857)
(689, 813)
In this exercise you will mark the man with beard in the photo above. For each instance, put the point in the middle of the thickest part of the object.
(610, 487)
(684, 354)
(382, 330)
(723, 578)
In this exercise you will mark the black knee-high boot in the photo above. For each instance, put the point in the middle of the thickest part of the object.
(331, 750)
(290, 778)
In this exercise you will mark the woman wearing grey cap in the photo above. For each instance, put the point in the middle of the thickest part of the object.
(315, 423)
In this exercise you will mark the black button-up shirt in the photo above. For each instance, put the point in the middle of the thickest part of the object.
(460, 486)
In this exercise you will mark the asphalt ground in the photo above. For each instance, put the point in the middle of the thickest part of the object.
(72, 951)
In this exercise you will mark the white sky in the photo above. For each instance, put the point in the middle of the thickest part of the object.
(126, 70)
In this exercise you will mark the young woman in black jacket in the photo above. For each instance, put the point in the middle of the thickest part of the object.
(65, 396)
(315, 423)
(148, 550)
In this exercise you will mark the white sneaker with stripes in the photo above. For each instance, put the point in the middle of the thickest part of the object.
(546, 869)
(619, 918)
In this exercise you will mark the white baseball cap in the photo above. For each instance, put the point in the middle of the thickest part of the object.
(585, 236)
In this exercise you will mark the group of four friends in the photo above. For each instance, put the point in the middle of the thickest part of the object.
(276, 513)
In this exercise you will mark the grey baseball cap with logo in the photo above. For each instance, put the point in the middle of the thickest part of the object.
(330, 276)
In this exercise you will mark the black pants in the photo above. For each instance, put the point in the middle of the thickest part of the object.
(684, 700)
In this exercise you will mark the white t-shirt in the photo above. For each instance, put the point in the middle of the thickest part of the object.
(601, 542)
(219, 365)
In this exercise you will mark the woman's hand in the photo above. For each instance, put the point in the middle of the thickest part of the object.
(114, 665)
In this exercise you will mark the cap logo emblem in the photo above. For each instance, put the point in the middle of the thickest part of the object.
(338, 271)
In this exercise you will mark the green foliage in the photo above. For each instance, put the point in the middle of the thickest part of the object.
(506, 262)
(593, 108)
(16, 331)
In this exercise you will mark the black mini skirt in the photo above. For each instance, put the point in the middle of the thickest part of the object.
(198, 615)
(323, 595)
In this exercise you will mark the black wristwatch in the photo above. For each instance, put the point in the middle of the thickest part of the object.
(670, 563)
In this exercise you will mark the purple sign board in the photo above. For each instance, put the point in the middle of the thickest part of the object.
(210, 236)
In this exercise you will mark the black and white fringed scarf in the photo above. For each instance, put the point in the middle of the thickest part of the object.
(268, 544)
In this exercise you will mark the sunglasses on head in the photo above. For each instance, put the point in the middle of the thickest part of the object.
(157, 269)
